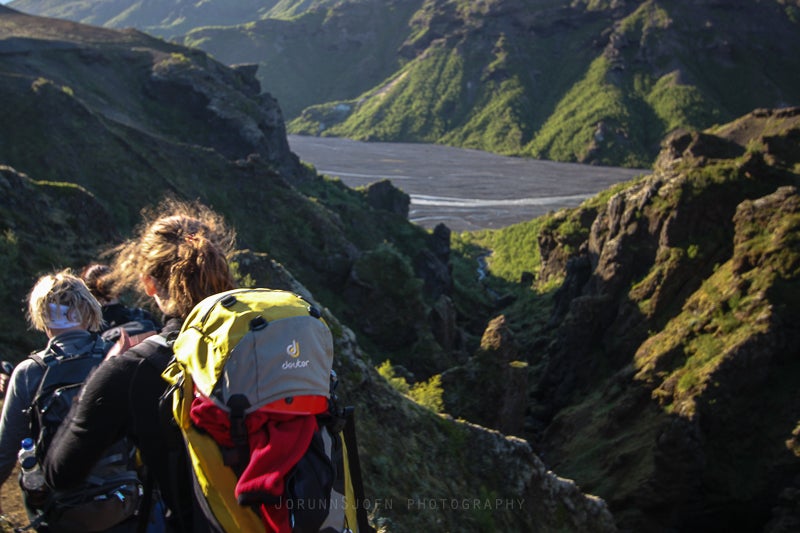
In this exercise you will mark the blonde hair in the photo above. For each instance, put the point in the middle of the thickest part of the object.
(184, 247)
(63, 289)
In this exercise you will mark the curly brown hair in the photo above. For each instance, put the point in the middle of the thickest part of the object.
(184, 247)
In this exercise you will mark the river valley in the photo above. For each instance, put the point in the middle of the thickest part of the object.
(467, 190)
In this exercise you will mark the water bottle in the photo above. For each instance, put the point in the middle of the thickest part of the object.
(32, 476)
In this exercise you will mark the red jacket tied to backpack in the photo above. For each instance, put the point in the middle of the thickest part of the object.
(277, 442)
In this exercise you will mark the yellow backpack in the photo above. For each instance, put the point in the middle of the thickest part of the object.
(251, 379)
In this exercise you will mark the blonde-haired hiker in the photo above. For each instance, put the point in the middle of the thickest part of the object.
(178, 257)
(61, 306)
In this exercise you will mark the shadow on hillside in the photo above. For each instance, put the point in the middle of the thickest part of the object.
(720, 460)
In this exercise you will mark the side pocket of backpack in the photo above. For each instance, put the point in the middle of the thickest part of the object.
(95, 511)
(308, 487)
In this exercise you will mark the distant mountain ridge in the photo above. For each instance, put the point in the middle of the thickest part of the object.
(591, 81)
(165, 18)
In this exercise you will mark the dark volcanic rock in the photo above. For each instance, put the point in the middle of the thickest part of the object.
(491, 387)
(691, 298)
(384, 195)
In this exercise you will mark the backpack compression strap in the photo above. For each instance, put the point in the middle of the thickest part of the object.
(214, 483)
(349, 434)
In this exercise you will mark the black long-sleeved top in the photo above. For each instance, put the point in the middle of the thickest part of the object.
(122, 398)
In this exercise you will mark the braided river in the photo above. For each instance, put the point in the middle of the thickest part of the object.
(465, 189)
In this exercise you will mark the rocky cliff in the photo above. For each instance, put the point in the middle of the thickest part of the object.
(669, 386)
(594, 82)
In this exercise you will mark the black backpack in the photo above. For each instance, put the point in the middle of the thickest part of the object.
(135, 321)
(112, 490)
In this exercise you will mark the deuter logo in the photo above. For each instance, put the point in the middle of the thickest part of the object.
(293, 349)
(290, 365)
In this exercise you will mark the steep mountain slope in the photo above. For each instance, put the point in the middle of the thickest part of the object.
(97, 124)
(41, 223)
(662, 376)
(711, 266)
(324, 55)
(590, 81)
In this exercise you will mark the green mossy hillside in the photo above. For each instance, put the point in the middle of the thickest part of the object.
(593, 82)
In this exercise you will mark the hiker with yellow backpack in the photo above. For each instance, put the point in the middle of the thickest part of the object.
(254, 396)
(222, 458)
(177, 257)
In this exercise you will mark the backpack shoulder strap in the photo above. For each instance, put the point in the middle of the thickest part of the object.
(38, 358)
(158, 354)
(53, 354)
(49, 355)
(161, 356)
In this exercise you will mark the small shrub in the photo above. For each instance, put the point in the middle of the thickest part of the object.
(386, 370)
(245, 281)
(429, 394)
